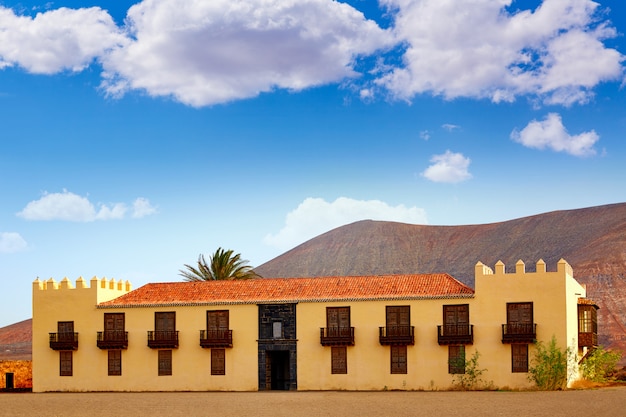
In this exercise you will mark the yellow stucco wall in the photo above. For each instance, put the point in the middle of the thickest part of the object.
(191, 364)
(554, 296)
(368, 361)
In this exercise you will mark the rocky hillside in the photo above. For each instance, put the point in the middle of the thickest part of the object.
(16, 341)
(592, 240)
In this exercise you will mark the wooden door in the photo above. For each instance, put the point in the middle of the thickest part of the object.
(338, 321)
(65, 330)
(398, 320)
(456, 319)
(165, 322)
(114, 326)
(217, 320)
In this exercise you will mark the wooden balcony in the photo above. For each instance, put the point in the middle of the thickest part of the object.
(216, 338)
(519, 333)
(396, 335)
(64, 341)
(163, 339)
(587, 339)
(337, 336)
(455, 334)
(112, 339)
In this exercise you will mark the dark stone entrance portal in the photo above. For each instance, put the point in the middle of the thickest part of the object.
(277, 347)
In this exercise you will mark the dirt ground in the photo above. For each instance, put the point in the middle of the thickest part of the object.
(609, 401)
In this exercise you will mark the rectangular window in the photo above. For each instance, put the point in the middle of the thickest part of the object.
(114, 327)
(519, 358)
(339, 362)
(217, 320)
(113, 322)
(398, 359)
(115, 362)
(519, 313)
(165, 321)
(277, 330)
(338, 321)
(398, 320)
(65, 363)
(456, 359)
(587, 319)
(165, 362)
(456, 319)
(218, 361)
(65, 330)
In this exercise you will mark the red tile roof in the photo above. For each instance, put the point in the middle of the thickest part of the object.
(588, 302)
(282, 290)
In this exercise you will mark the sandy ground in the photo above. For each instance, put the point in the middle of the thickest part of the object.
(594, 402)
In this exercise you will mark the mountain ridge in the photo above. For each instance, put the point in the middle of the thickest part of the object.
(592, 240)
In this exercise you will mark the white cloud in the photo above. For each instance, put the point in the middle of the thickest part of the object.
(67, 206)
(425, 134)
(315, 216)
(554, 52)
(11, 242)
(551, 133)
(143, 208)
(449, 167)
(205, 52)
(57, 40)
(450, 127)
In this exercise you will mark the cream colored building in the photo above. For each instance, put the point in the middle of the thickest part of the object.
(395, 332)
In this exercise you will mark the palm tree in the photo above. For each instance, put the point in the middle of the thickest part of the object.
(223, 265)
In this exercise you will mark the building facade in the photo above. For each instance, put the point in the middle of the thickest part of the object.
(395, 332)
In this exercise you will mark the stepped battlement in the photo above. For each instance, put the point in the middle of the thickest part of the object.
(95, 283)
(562, 269)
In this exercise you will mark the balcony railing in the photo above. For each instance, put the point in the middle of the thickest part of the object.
(112, 339)
(163, 339)
(64, 341)
(216, 338)
(587, 339)
(396, 335)
(337, 336)
(519, 333)
(455, 334)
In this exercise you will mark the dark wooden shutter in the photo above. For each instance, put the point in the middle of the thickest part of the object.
(115, 362)
(114, 321)
(218, 361)
(519, 313)
(217, 320)
(165, 362)
(65, 327)
(398, 359)
(456, 359)
(519, 358)
(339, 362)
(338, 321)
(165, 321)
(65, 363)
(398, 320)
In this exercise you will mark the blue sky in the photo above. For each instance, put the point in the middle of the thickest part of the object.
(139, 135)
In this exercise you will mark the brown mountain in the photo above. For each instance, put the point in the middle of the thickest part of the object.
(16, 341)
(592, 240)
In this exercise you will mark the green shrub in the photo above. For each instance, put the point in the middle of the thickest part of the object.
(472, 378)
(600, 364)
(550, 365)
